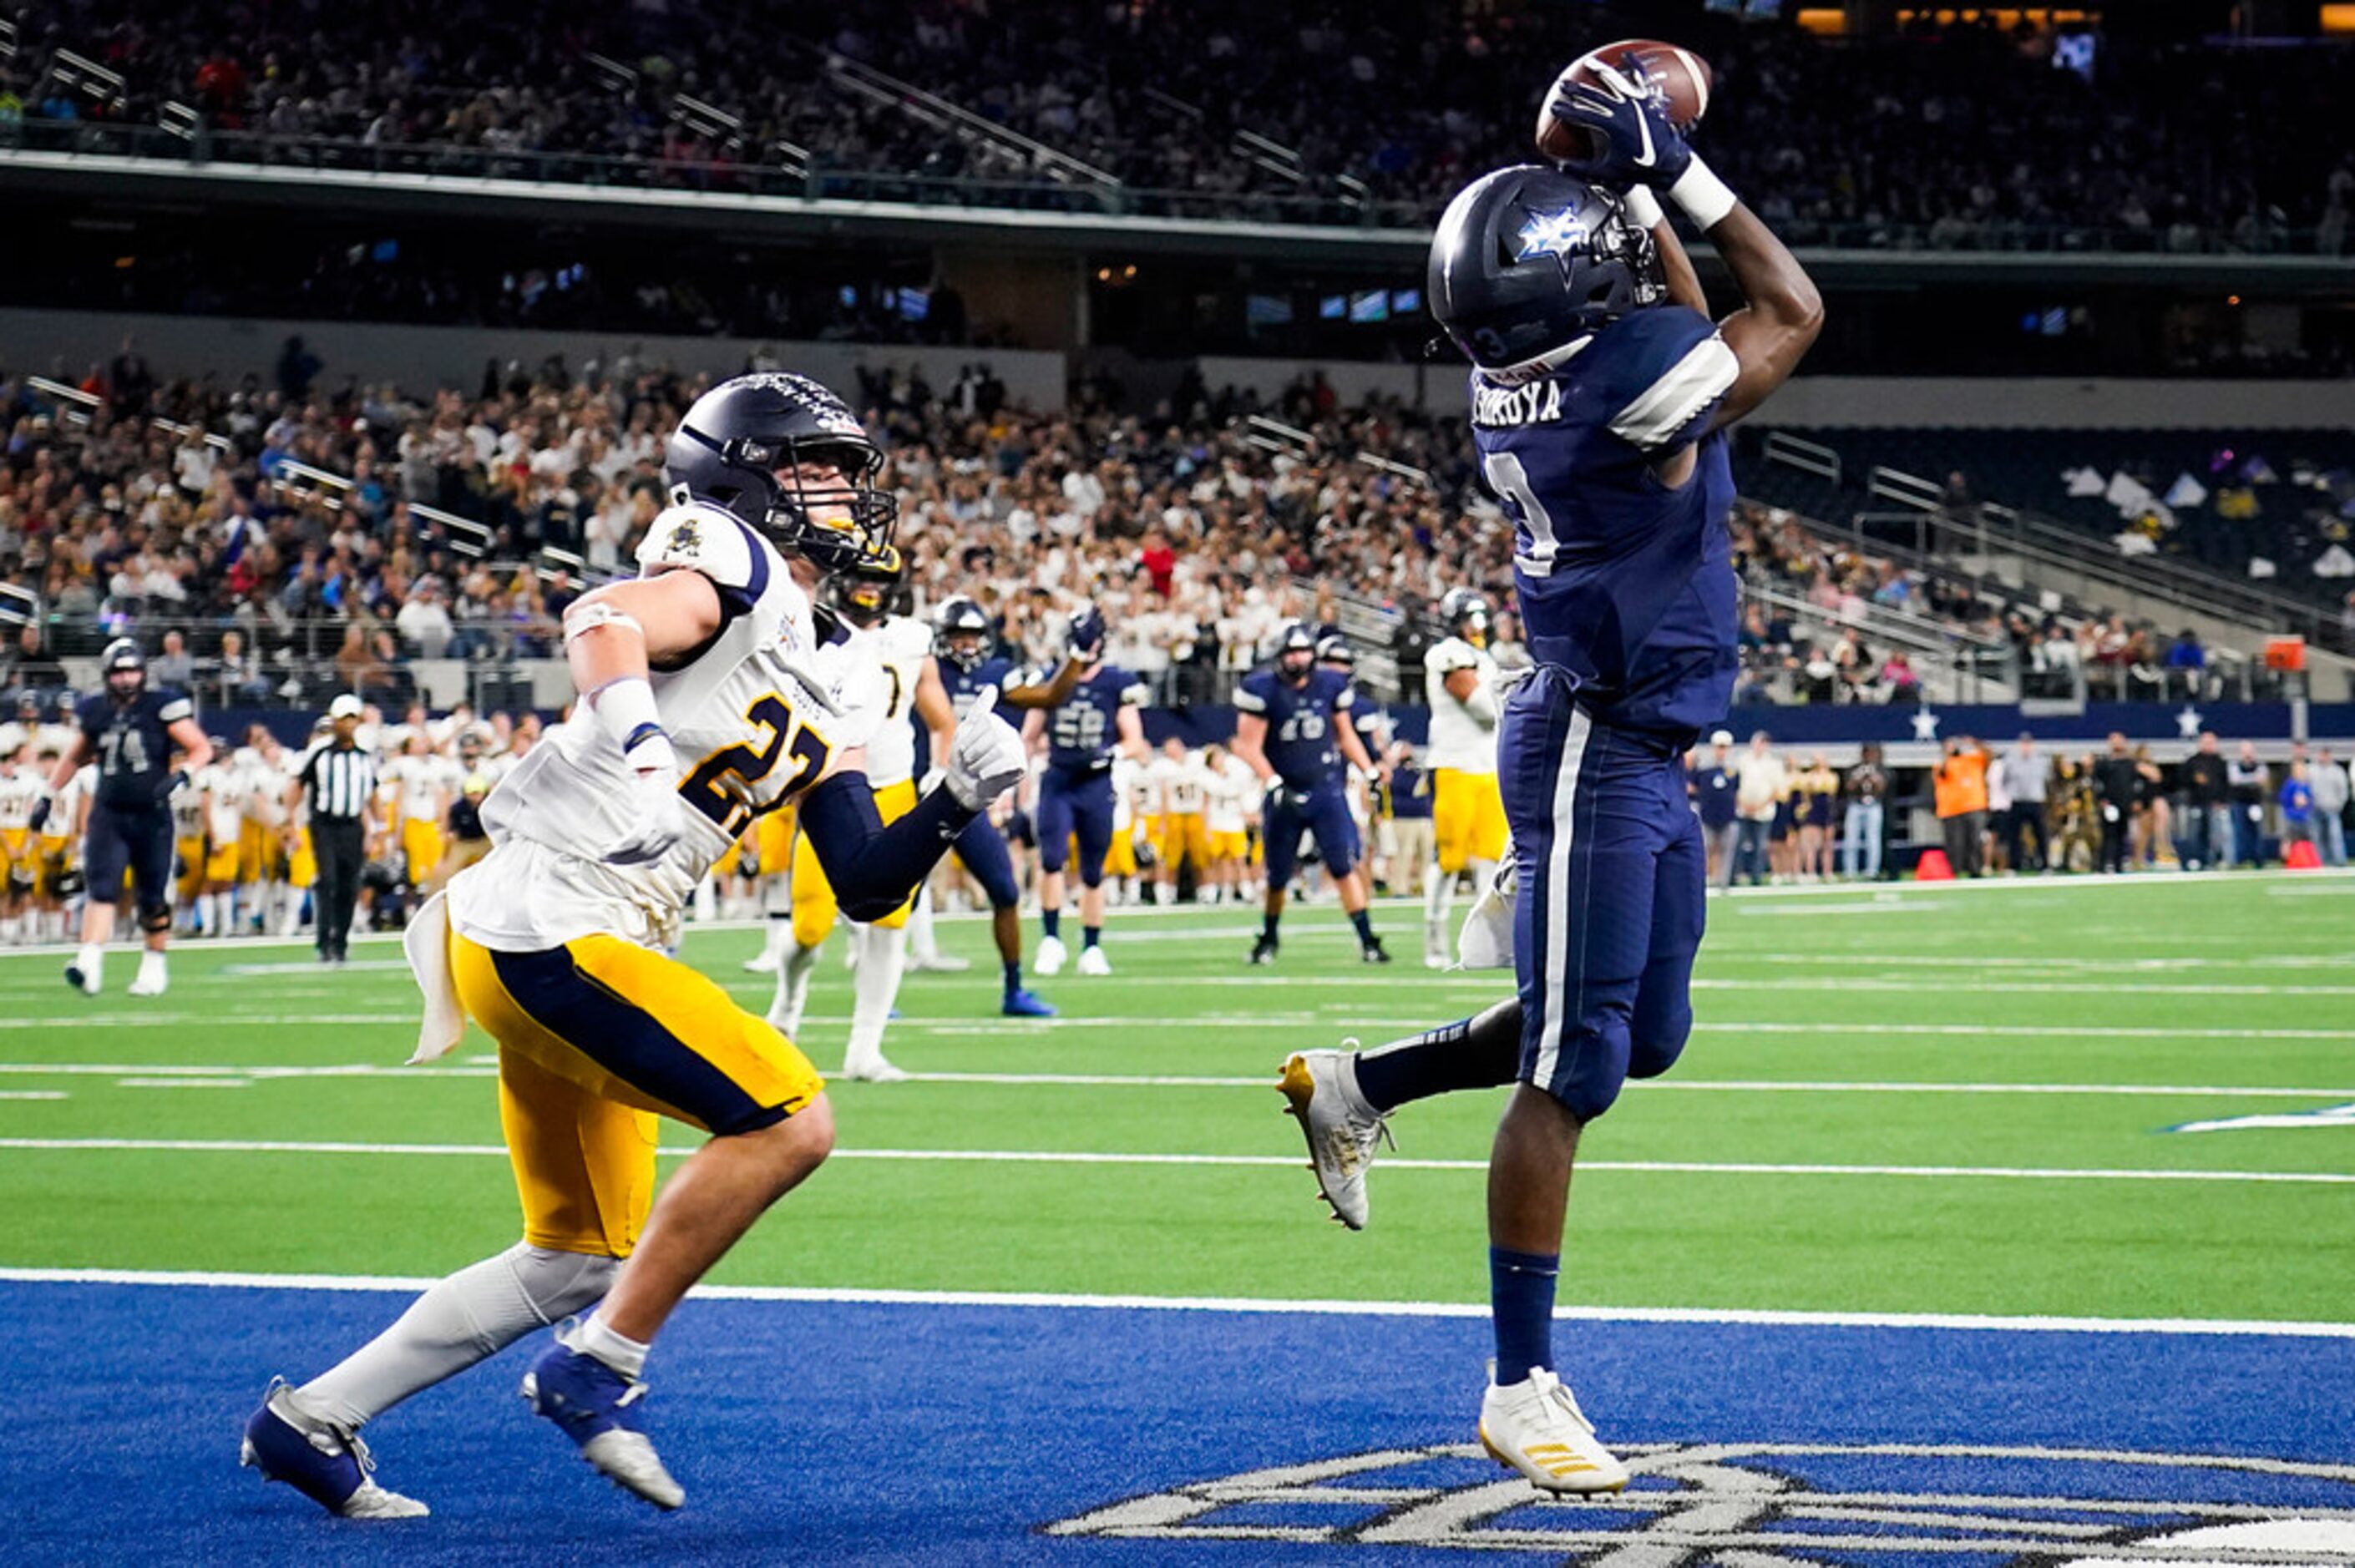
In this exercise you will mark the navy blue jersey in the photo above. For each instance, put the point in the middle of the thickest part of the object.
(1408, 793)
(1623, 583)
(964, 685)
(1713, 790)
(133, 744)
(1083, 733)
(1301, 722)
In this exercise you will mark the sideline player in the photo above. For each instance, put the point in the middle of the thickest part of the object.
(1292, 729)
(698, 710)
(880, 658)
(20, 788)
(1181, 780)
(962, 665)
(1077, 809)
(130, 731)
(1616, 473)
(1467, 810)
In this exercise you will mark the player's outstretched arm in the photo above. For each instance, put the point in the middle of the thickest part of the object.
(1780, 318)
(1052, 693)
(874, 867)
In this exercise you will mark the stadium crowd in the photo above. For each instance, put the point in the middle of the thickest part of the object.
(304, 539)
(1957, 136)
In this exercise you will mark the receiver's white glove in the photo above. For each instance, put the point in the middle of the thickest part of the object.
(985, 754)
(655, 812)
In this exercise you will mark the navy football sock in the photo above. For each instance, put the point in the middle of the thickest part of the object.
(1477, 1053)
(1051, 922)
(1014, 974)
(1364, 921)
(1520, 1294)
(1267, 926)
(1091, 935)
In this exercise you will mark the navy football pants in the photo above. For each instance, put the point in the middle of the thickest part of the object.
(1612, 894)
(1075, 806)
(981, 850)
(138, 841)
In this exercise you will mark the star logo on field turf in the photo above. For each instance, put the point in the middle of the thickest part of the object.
(2187, 723)
(1925, 725)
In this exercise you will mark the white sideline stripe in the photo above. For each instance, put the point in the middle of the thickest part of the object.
(32, 1094)
(822, 1296)
(187, 1076)
(1266, 1161)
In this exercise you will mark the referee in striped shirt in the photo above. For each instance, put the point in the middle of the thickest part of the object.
(338, 782)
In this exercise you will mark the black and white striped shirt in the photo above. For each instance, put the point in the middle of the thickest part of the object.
(339, 781)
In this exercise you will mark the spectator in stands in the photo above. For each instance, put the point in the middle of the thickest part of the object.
(2117, 783)
(1863, 829)
(2187, 664)
(1714, 786)
(2296, 804)
(2207, 797)
(2250, 787)
(425, 620)
(30, 667)
(1960, 793)
(2329, 781)
(2024, 776)
(172, 666)
(239, 673)
(1760, 783)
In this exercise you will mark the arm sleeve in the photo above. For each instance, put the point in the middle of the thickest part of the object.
(873, 868)
(1677, 368)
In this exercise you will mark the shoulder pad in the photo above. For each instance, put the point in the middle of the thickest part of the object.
(1252, 696)
(1446, 656)
(1133, 693)
(171, 707)
(703, 538)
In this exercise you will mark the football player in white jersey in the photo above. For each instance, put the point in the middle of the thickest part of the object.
(1467, 810)
(20, 874)
(886, 650)
(699, 710)
(1180, 782)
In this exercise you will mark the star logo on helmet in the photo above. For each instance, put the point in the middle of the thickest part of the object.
(1551, 234)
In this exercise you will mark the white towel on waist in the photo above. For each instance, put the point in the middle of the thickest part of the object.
(427, 943)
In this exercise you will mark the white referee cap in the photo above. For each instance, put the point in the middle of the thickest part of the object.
(345, 706)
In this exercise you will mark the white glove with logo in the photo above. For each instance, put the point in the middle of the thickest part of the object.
(656, 812)
(985, 754)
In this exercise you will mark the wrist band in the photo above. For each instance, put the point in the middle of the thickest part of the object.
(1700, 196)
(1644, 208)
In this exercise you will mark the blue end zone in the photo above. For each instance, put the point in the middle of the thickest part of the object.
(960, 1434)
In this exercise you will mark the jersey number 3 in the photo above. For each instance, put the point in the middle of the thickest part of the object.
(721, 784)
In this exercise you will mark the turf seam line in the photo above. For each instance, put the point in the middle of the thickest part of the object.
(824, 1296)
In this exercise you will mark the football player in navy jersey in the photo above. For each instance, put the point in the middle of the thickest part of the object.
(1601, 395)
(963, 662)
(1075, 799)
(1292, 729)
(131, 732)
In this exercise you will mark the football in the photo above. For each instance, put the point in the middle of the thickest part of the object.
(1678, 78)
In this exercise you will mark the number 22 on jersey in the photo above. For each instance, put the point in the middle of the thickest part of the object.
(721, 786)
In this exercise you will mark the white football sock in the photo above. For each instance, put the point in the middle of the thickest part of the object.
(793, 989)
(923, 942)
(882, 963)
(1438, 888)
(596, 1338)
(465, 1318)
(706, 902)
(779, 932)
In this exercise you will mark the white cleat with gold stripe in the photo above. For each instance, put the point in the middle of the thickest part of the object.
(1536, 1427)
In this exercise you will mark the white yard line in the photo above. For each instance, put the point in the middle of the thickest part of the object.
(221, 1076)
(825, 1296)
(1258, 1161)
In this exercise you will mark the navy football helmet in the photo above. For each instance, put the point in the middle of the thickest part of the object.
(1528, 260)
(1296, 650)
(742, 447)
(962, 632)
(872, 589)
(1334, 649)
(123, 668)
(1465, 613)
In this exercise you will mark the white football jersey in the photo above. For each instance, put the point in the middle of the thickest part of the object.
(419, 778)
(1180, 785)
(18, 791)
(1128, 788)
(1224, 788)
(1458, 741)
(899, 646)
(750, 722)
(217, 791)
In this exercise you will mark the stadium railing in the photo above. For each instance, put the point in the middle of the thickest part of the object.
(798, 173)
